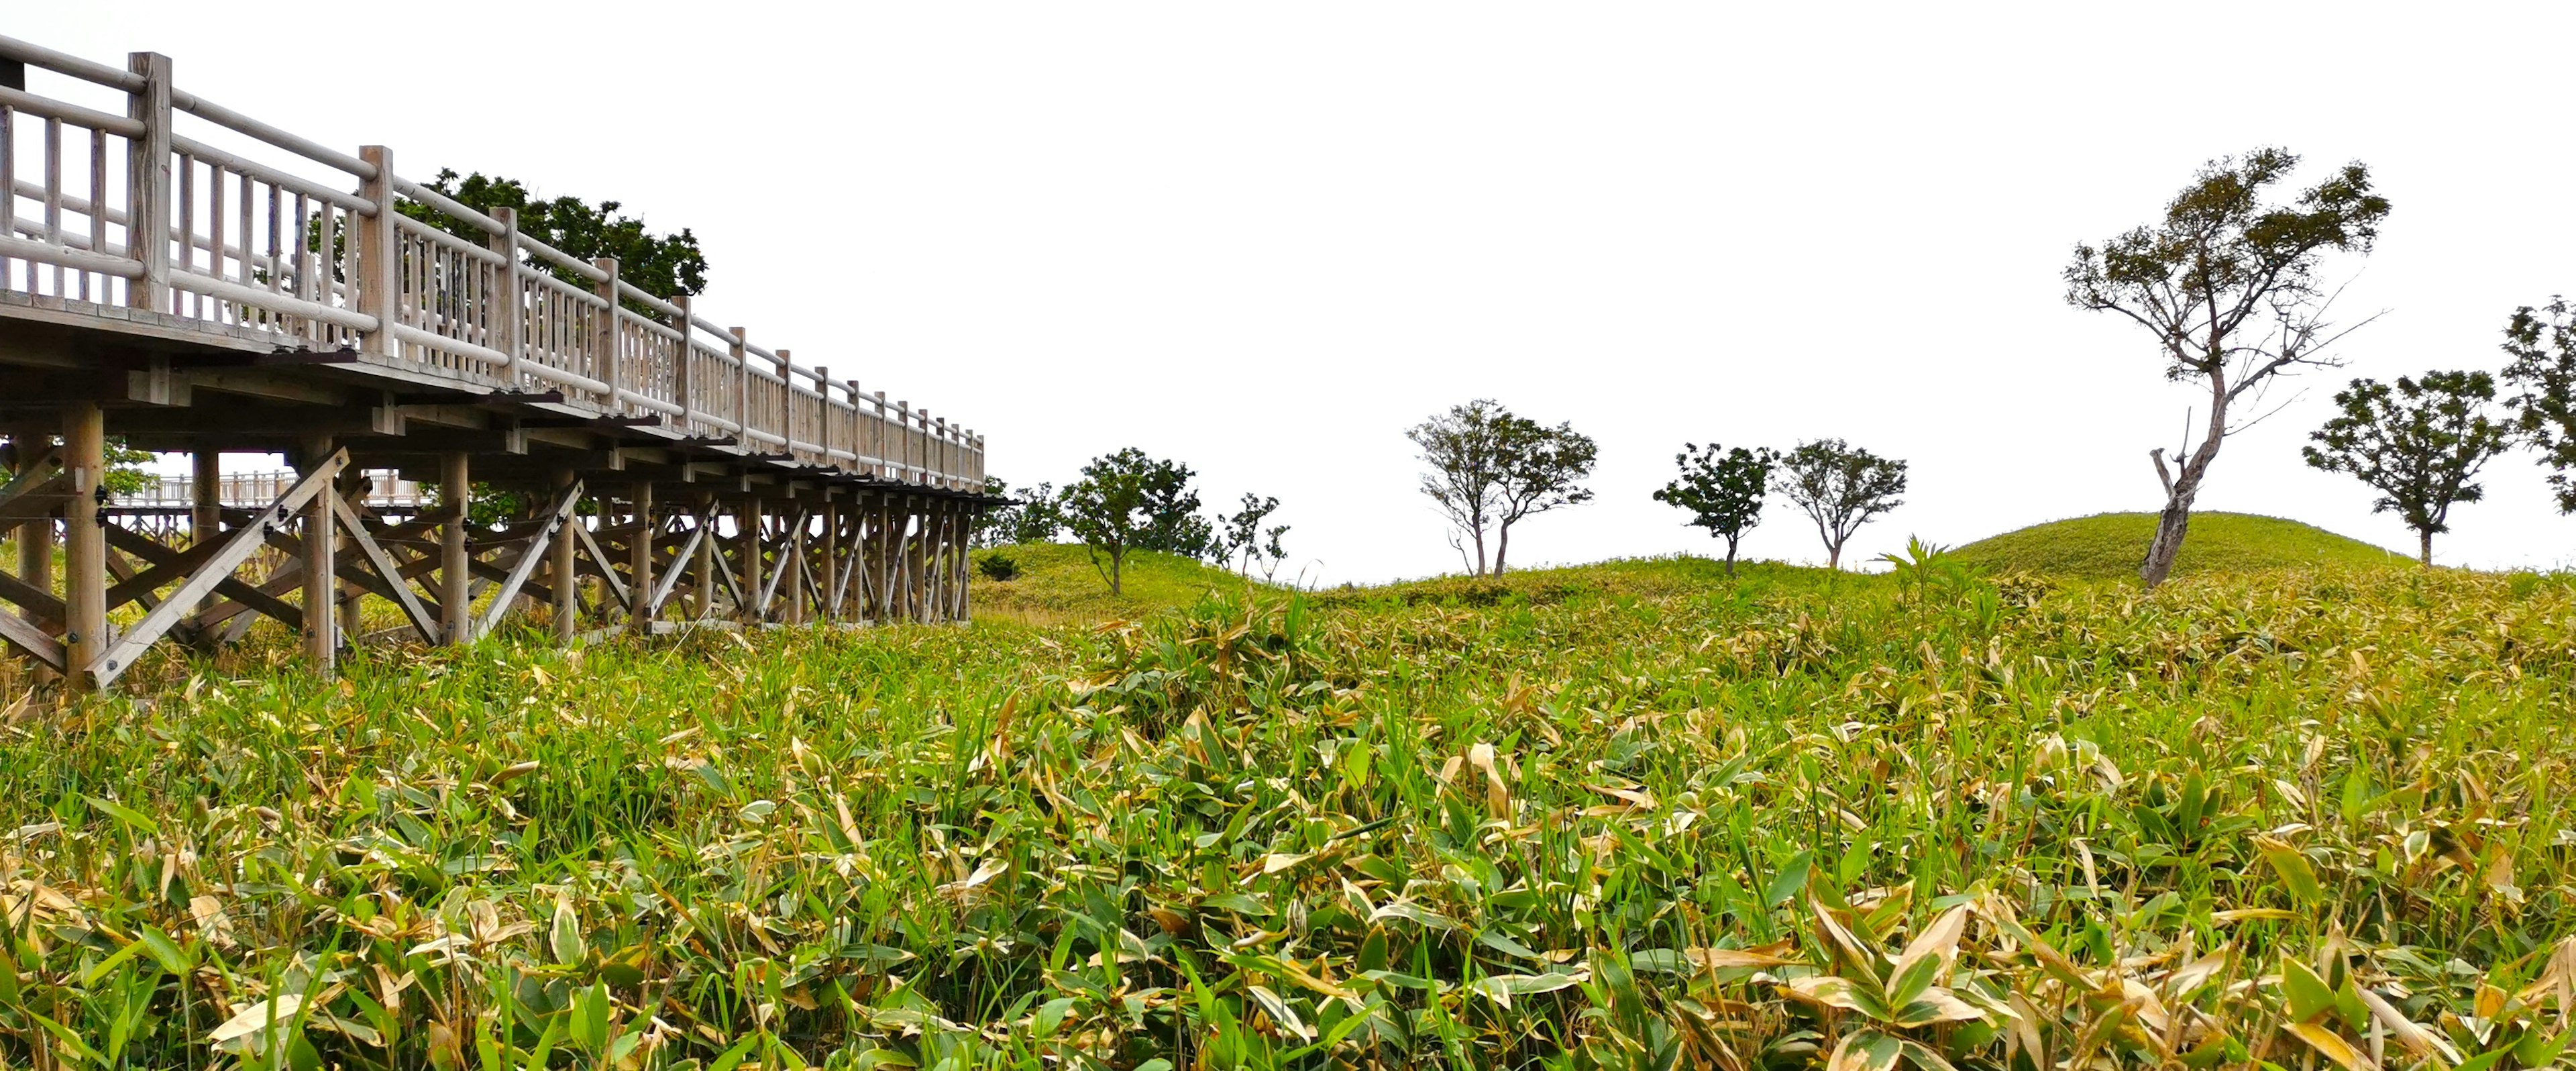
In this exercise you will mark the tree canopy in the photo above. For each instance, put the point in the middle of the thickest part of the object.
(2542, 343)
(1129, 501)
(1840, 487)
(1723, 490)
(2419, 444)
(1489, 468)
(664, 265)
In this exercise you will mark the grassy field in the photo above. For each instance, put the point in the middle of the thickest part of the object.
(1632, 815)
(2110, 545)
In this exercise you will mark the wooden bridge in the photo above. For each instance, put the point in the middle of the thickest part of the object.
(189, 279)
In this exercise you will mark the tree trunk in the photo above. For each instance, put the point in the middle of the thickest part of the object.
(1502, 546)
(1730, 557)
(1480, 551)
(2425, 541)
(2183, 488)
(2171, 525)
(1117, 568)
(1834, 556)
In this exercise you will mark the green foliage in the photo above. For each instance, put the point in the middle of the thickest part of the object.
(663, 265)
(2223, 264)
(1036, 515)
(125, 473)
(1626, 815)
(2542, 343)
(1127, 501)
(1490, 468)
(2419, 445)
(997, 565)
(2105, 547)
(1840, 487)
(1723, 491)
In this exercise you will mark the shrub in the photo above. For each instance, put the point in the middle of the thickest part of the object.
(998, 566)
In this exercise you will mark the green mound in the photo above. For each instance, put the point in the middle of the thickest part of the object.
(1056, 584)
(2110, 546)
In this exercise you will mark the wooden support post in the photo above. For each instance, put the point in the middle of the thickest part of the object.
(321, 575)
(34, 448)
(561, 577)
(831, 608)
(706, 564)
(147, 183)
(379, 279)
(603, 342)
(205, 495)
(455, 570)
(684, 354)
(639, 569)
(511, 329)
(742, 390)
(792, 549)
(85, 629)
(750, 523)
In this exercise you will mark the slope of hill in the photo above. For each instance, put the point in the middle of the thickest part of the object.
(1057, 584)
(2110, 545)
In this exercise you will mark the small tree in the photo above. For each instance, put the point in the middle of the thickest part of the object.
(2417, 445)
(1036, 516)
(2230, 287)
(1840, 487)
(1246, 543)
(1127, 501)
(1491, 469)
(1723, 491)
(2543, 344)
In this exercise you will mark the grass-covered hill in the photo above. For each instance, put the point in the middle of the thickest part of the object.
(1637, 814)
(2110, 546)
(1056, 583)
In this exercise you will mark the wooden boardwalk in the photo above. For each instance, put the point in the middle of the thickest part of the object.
(189, 279)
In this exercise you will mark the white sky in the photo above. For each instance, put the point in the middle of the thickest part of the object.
(1265, 240)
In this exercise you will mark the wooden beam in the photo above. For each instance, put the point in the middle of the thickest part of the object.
(238, 546)
(565, 499)
(383, 564)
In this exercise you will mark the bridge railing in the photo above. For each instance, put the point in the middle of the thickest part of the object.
(386, 490)
(131, 213)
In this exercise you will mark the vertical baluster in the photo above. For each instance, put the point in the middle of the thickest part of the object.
(9, 190)
(97, 215)
(187, 230)
(53, 192)
(242, 274)
(215, 233)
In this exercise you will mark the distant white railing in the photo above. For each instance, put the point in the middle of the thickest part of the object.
(386, 490)
(244, 244)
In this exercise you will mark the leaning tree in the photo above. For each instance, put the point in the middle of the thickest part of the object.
(2230, 284)
(2419, 444)
(1840, 487)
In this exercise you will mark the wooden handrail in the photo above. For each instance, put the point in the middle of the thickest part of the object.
(254, 245)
